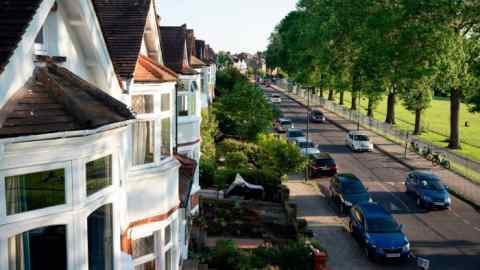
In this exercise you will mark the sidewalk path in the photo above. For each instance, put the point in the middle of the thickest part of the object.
(455, 182)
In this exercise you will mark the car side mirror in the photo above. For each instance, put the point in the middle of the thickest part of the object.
(402, 227)
(446, 186)
(366, 188)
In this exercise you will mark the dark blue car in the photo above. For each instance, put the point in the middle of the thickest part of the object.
(378, 233)
(428, 189)
(347, 190)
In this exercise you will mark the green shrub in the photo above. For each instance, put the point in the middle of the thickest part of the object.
(232, 145)
(207, 173)
(236, 160)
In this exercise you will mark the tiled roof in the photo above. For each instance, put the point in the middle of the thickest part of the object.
(186, 174)
(173, 49)
(56, 100)
(15, 16)
(123, 24)
(200, 49)
(147, 70)
(197, 63)
(190, 44)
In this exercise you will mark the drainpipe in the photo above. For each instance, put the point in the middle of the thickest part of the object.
(175, 149)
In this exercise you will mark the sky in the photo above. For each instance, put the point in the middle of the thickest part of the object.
(227, 25)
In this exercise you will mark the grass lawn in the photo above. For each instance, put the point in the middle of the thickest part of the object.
(435, 118)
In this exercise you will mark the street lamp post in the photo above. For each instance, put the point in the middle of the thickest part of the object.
(308, 128)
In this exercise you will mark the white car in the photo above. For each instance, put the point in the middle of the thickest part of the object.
(294, 134)
(307, 147)
(358, 141)
(275, 98)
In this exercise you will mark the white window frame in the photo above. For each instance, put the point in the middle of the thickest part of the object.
(150, 256)
(115, 176)
(41, 48)
(67, 166)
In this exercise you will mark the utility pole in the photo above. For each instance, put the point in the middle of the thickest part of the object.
(307, 169)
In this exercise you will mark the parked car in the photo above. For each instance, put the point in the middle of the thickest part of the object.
(275, 98)
(347, 190)
(358, 141)
(378, 232)
(307, 147)
(317, 117)
(282, 124)
(322, 164)
(294, 134)
(428, 189)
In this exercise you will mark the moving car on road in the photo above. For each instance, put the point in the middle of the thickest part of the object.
(282, 124)
(378, 232)
(307, 147)
(294, 134)
(358, 141)
(317, 116)
(276, 98)
(347, 190)
(322, 164)
(428, 189)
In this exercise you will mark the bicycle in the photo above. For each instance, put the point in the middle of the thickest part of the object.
(440, 159)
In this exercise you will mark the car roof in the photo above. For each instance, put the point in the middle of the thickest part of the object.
(345, 177)
(371, 209)
(284, 119)
(322, 155)
(294, 129)
(356, 132)
(426, 175)
(301, 140)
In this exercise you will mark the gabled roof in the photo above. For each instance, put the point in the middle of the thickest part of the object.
(197, 63)
(174, 40)
(56, 100)
(123, 25)
(147, 70)
(15, 16)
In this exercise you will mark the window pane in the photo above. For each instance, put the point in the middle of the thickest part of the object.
(191, 105)
(34, 191)
(143, 246)
(182, 106)
(100, 239)
(99, 174)
(142, 103)
(165, 106)
(143, 142)
(168, 234)
(168, 260)
(146, 266)
(166, 140)
(38, 249)
(39, 38)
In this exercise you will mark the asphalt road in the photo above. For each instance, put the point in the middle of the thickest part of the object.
(450, 239)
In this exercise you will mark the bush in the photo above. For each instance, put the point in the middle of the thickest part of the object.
(207, 173)
(232, 145)
(224, 177)
(236, 160)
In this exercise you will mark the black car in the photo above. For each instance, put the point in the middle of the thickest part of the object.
(347, 190)
(317, 117)
(322, 164)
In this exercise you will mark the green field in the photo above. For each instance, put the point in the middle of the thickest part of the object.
(435, 118)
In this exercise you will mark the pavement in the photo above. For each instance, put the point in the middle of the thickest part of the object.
(449, 239)
(455, 182)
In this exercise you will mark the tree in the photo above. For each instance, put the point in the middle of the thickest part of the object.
(208, 130)
(224, 61)
(243, 112)
(417, 99)
(278, 156)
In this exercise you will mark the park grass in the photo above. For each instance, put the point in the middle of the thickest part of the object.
(436, 118)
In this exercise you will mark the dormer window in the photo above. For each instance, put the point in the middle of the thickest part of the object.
(40, 47)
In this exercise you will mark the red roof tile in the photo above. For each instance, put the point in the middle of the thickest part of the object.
(123, 24)
(147, 70)
(15, 16)
(56, 100)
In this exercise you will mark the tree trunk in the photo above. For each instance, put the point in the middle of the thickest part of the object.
(454, 142)
(321, 92)
(370, 108)
(342, 101)
(355, 90)
(330, 94)
(390, 119)
(418, 122)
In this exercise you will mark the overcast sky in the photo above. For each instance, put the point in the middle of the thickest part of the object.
(229, 25)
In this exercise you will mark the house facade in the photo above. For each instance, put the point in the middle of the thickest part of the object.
(89, 173)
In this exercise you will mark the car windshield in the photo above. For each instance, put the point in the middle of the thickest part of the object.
(275, 96)
(361, 138)
(432, 185)
(353, 187)
(295, 133)
(316, 113)
(306, 145)
(286, 123)
(382, 225)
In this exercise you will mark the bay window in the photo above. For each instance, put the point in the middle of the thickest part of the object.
(99, 174)
(143, 142)
(100, 238)
(33, 191)
(143, 253)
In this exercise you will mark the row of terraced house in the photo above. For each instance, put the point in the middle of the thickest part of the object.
(100, 112)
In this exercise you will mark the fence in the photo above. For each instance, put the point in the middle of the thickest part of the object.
(461, 165)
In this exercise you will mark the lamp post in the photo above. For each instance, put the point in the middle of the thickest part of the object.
(308, 128)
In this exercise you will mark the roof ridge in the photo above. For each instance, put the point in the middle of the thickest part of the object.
(163, 67)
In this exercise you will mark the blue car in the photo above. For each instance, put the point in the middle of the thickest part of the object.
(347, 190)
(428, 189)
(378, 233)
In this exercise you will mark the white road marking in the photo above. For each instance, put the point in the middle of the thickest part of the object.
(466, 221)
(477, 228)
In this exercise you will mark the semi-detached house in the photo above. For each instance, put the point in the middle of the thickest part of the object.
(92, 174)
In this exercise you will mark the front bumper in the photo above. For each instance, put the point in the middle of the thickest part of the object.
(390, 254)
(436, 204)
